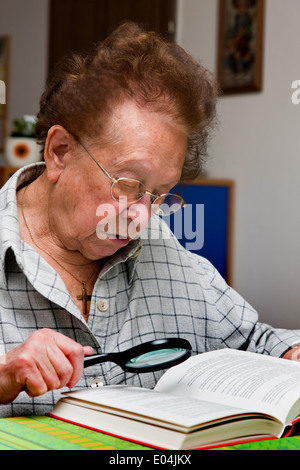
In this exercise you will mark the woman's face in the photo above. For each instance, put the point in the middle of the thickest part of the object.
(147, 147)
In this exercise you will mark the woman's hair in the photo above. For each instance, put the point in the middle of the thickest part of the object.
(131, 64)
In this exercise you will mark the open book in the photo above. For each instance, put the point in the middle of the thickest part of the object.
(212, 399)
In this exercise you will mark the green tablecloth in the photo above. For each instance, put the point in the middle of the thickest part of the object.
(45, 433)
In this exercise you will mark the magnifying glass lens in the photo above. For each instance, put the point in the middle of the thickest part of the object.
(150, 359)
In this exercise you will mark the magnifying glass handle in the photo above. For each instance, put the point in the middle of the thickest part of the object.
(98, 358)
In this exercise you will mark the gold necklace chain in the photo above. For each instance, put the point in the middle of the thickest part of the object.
(83, 297)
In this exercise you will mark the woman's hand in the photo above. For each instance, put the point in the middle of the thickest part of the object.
(46, 361)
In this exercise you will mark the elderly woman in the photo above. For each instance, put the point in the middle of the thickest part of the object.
(119, 128)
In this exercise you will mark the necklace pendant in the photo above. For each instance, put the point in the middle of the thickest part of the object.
(85, 298)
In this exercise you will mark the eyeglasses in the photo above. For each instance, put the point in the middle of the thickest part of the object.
(129, 191)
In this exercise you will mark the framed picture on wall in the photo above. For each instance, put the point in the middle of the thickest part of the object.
(4, 59)
(1, 135)
(240, 48)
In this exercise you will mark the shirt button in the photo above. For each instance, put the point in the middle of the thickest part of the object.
(103, 305)
(97, 382)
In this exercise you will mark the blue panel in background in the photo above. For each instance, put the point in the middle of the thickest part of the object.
(216, 201)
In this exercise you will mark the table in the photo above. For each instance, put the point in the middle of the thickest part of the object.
(46, 433)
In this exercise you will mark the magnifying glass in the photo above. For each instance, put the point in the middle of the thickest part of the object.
(146, 357)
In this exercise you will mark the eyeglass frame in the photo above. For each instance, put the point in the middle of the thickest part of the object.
(115, 180)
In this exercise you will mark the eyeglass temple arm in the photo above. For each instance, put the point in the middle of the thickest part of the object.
(97, 163)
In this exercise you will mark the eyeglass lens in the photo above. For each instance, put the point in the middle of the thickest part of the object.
(132, 191)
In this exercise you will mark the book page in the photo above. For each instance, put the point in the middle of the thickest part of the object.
(237, 378)
(160, 406)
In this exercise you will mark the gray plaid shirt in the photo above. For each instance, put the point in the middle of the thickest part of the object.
(149, 290)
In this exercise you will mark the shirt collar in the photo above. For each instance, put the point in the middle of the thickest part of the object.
(10, 229)
(128, 254)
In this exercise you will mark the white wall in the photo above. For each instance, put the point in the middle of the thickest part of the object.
(258, 146)
(26, 22)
